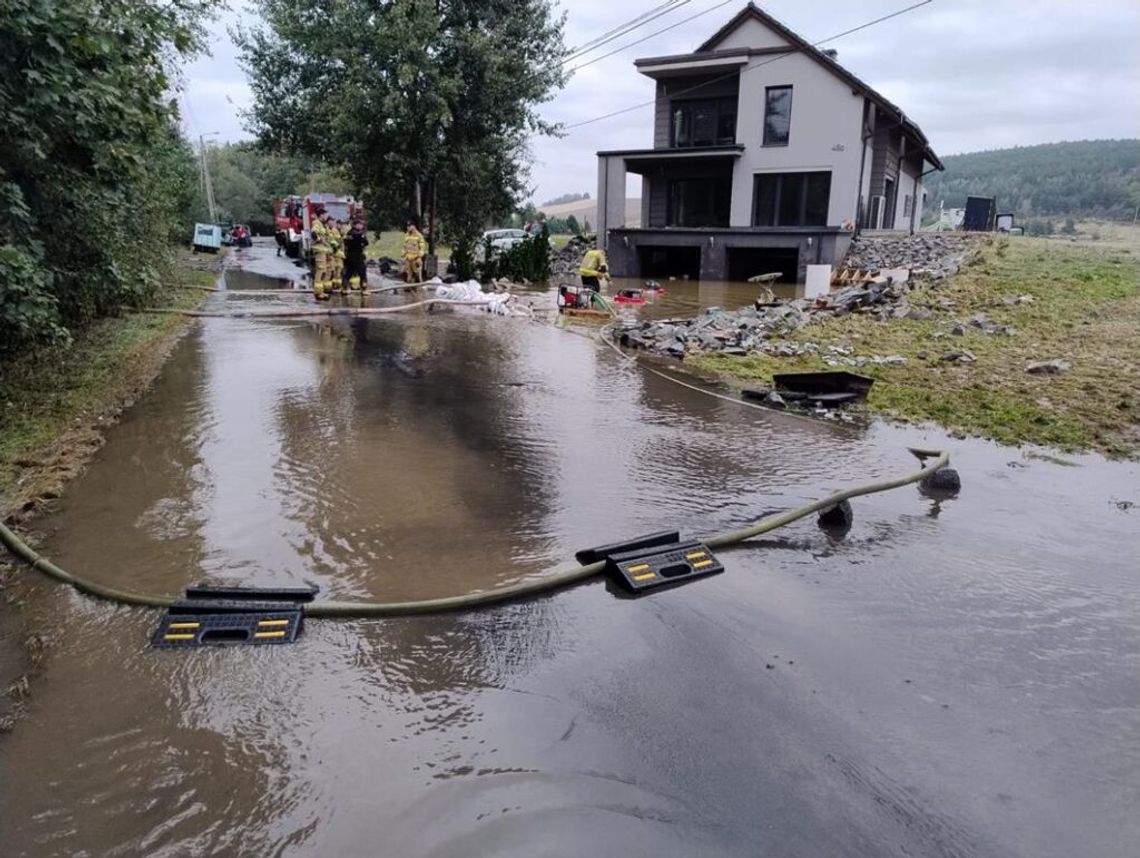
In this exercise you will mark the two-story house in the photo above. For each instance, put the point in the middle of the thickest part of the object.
(767, 156)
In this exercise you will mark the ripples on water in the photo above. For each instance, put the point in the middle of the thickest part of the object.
(945, 677)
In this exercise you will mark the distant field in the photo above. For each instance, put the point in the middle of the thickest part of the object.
(587, 210)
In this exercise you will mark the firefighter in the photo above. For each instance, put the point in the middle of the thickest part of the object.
(356, 267)
(594, 269)
(336, 258)
(414, 249)
(322, 255)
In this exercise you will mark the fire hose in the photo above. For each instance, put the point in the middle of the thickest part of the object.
(554, 580)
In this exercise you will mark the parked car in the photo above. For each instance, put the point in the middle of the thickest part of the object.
(501, 239)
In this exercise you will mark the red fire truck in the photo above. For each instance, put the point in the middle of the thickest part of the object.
(293, 219)
(288, 224)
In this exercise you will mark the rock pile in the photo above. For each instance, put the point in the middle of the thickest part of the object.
(750, 329)
(933, 254)
(567, 260)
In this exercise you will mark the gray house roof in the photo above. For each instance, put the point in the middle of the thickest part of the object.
(709, 50)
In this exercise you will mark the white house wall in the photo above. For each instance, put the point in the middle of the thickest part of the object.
(751, 34)
(611, 194)
(824, 134)
(909, 185)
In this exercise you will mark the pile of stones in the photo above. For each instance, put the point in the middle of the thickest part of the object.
(931, 254)
(567, 260)
(739, 332)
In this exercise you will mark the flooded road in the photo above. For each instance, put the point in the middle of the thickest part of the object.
(955, 678)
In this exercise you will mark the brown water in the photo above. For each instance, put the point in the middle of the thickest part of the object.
(952, 678)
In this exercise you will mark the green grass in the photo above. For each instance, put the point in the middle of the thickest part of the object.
(391, 244)
(1085, 309)
(46, 395)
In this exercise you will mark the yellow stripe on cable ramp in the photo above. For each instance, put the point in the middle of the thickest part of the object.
(183, 625)
(273, 622)
(280, 634)
(638, 567)
(178, 637)
(702, 563)
(645, 576)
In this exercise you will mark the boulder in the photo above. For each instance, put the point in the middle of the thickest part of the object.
(958, 356)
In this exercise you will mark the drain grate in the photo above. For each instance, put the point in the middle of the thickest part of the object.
(230, 616)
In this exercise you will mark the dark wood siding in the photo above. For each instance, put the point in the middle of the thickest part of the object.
(661, 118)
(658, 202)
(884, 159)
(704, 86)
(658, 185)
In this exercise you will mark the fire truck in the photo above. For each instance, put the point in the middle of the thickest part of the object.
(293, 219)
(288, 224)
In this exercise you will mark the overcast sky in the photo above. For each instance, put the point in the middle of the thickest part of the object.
(974, 74)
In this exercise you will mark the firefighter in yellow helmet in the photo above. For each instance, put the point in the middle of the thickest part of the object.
(322, 255)
(594, 269)
(414, 249)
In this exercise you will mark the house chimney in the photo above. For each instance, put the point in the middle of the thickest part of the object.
(831, 52)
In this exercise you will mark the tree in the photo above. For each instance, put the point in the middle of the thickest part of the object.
(94, 177)
(572, 225)
(421, 103)
(1088, 177)
(566, 198)
(247, 180)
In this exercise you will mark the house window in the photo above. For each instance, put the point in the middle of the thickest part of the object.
(699, 202)
(703, 122)
(777, 115)
(791, 199)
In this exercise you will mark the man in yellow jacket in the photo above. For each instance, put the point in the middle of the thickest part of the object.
(322, 255)
(594, 269)
(414, 249)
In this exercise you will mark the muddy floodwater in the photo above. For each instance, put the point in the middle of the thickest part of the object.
(957, 677)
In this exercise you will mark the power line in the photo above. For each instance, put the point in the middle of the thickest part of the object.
(621, 29)
(651, 35)
(591, 42)
(751, 68)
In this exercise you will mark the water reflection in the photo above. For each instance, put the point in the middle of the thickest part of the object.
(940, 680)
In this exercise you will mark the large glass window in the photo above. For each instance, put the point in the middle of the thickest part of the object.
(791, 199)
(699, 202)
(777, 115)
(703, 122)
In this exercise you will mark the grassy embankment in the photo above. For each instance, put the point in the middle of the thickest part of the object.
(1085, 310)
(53, 403)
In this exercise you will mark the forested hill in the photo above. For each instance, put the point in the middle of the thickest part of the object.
(1090, 177)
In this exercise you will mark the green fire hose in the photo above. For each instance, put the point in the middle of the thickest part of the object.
(554, 580)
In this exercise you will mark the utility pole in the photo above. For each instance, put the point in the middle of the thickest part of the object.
(207, 185)
(431, 220)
